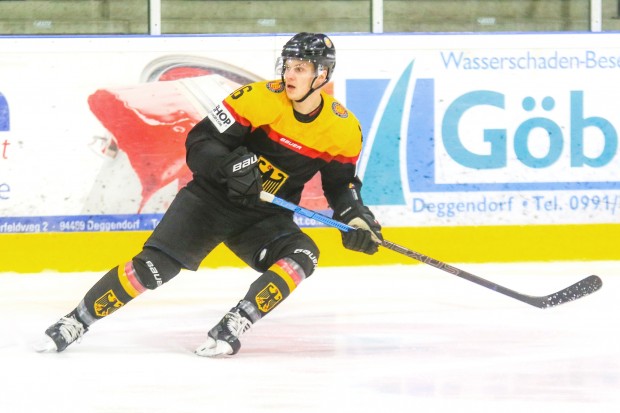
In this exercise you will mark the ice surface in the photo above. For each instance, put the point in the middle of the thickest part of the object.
(384, 339)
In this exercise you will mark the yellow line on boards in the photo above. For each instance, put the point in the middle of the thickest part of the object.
(100, 251)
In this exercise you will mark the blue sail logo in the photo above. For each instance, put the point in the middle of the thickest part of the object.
(4, 114)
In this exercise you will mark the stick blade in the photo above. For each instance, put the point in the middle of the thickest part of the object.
(580, 289)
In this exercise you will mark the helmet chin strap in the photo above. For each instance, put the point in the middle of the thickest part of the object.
(312, 90)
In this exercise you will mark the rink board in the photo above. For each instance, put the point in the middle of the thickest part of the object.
(78, 251)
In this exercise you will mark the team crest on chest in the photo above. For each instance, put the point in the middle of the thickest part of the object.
(339, 110)
(273, 177)
(276, 86)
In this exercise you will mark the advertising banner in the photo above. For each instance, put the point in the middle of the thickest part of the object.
(458, 129)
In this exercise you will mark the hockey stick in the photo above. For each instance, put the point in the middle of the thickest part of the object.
(580, 289)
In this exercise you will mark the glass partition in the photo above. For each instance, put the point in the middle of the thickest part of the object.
(611, 15)
(28, 17)
(486, 15)
(265, 16)
(23, 17)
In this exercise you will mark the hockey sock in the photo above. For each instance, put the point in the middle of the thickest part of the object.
(275, 284)
(114, 290)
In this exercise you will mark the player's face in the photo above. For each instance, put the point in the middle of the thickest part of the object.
(298, 76)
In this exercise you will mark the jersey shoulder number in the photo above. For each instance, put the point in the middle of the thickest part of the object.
(258, 103)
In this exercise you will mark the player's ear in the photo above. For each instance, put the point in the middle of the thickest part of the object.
(321, 76)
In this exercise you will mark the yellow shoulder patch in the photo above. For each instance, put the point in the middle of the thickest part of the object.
(340, 110)
(276, 86)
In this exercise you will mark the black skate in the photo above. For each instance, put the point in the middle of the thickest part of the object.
(223, 339)
(58, 336)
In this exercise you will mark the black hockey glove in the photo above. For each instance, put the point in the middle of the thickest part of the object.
(367, 235)
(239, 171)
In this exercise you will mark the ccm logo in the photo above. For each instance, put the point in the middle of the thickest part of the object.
(245, 163)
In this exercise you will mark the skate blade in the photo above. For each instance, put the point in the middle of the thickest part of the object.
(214, 348)
(46, 345)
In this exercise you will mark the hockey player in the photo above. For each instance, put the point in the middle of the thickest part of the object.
(273, 136)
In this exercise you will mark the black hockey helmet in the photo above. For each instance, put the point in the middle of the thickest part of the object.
(314, 47)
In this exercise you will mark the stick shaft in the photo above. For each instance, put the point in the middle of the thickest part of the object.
(582, 288)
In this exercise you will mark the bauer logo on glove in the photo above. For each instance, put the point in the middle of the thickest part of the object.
(239, 172)
(245, 163)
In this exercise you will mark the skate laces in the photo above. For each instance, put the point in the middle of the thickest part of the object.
(70, 329)
(237, 324)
